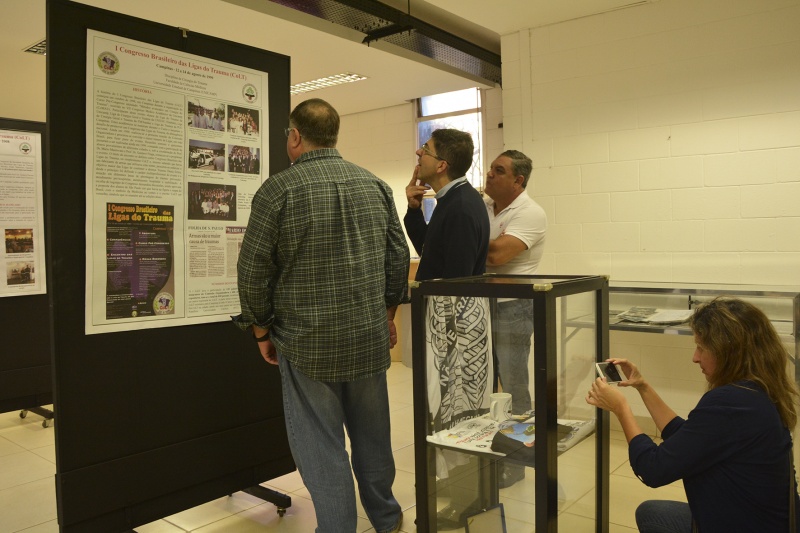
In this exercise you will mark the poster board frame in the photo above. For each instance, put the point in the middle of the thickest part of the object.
(25, 371)
(153, 421)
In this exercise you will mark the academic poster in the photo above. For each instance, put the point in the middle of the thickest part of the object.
(173, 158)
(21, 214)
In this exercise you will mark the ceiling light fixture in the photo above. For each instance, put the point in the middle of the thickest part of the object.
(38, 48)
(321, 83)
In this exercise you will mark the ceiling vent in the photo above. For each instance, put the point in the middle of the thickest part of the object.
(378, 21)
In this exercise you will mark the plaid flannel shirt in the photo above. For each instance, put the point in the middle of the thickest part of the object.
(323, 257)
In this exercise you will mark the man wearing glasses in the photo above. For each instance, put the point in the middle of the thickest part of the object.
(456, 241)
(322, 268)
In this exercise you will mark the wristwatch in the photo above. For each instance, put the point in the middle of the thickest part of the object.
(264, 337)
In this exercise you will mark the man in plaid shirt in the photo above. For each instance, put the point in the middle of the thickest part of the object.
(323, 266)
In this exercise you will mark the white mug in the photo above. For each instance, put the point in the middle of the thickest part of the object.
(500, 406)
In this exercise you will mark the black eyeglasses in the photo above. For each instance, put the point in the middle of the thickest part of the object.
(426, 150)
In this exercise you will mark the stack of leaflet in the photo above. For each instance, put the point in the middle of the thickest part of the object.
(651, 315)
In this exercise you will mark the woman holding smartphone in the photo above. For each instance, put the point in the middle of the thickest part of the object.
(734, 450)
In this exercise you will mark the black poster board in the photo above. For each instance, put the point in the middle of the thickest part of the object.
(153, 421)
(25, 377)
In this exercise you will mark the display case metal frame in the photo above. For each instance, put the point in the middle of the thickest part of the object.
(544, 291)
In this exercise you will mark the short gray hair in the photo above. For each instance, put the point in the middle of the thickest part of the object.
(521, 165)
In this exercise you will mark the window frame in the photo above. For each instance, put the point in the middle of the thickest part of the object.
(480, 143)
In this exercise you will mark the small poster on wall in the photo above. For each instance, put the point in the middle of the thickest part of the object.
(21, 214)
(173, 159)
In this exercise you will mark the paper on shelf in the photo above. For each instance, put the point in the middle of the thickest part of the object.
(637, 314)
(651, 315)
(476, 434)
(671, 316)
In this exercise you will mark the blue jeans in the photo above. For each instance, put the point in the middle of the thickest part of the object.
(664, 516)
(316, 414)
(512, 327)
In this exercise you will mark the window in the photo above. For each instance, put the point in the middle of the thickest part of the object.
(460, 110)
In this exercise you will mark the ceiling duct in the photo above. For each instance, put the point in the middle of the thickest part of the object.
(379, 21)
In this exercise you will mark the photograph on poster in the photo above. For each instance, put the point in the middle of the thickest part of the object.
(243, 121)
(20, 273)
(243, 159)
(19, 241)
(205, 155)
(206, 115)
(211, 201)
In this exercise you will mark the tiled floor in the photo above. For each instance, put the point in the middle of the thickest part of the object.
(27, 493)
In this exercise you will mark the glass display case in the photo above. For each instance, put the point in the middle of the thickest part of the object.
(477, 468)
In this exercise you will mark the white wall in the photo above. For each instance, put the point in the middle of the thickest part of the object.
(665, 139)
(666, 147)
(382, 141)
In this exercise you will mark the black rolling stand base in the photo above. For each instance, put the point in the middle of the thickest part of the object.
(280, 500)
(41, 411)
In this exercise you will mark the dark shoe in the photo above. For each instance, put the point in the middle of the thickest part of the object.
(510, 474)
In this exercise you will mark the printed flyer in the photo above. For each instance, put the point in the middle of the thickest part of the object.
(21, 214)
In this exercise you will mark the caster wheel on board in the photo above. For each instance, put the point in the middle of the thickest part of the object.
(281, 511)
(23, 414)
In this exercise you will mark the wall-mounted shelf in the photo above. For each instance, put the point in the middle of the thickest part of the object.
(780, 303)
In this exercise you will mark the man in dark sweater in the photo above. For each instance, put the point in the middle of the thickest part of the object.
(456, 241)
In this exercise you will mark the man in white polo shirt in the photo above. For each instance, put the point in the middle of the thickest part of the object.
(516, 242)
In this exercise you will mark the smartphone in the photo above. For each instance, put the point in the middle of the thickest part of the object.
(611, 372)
